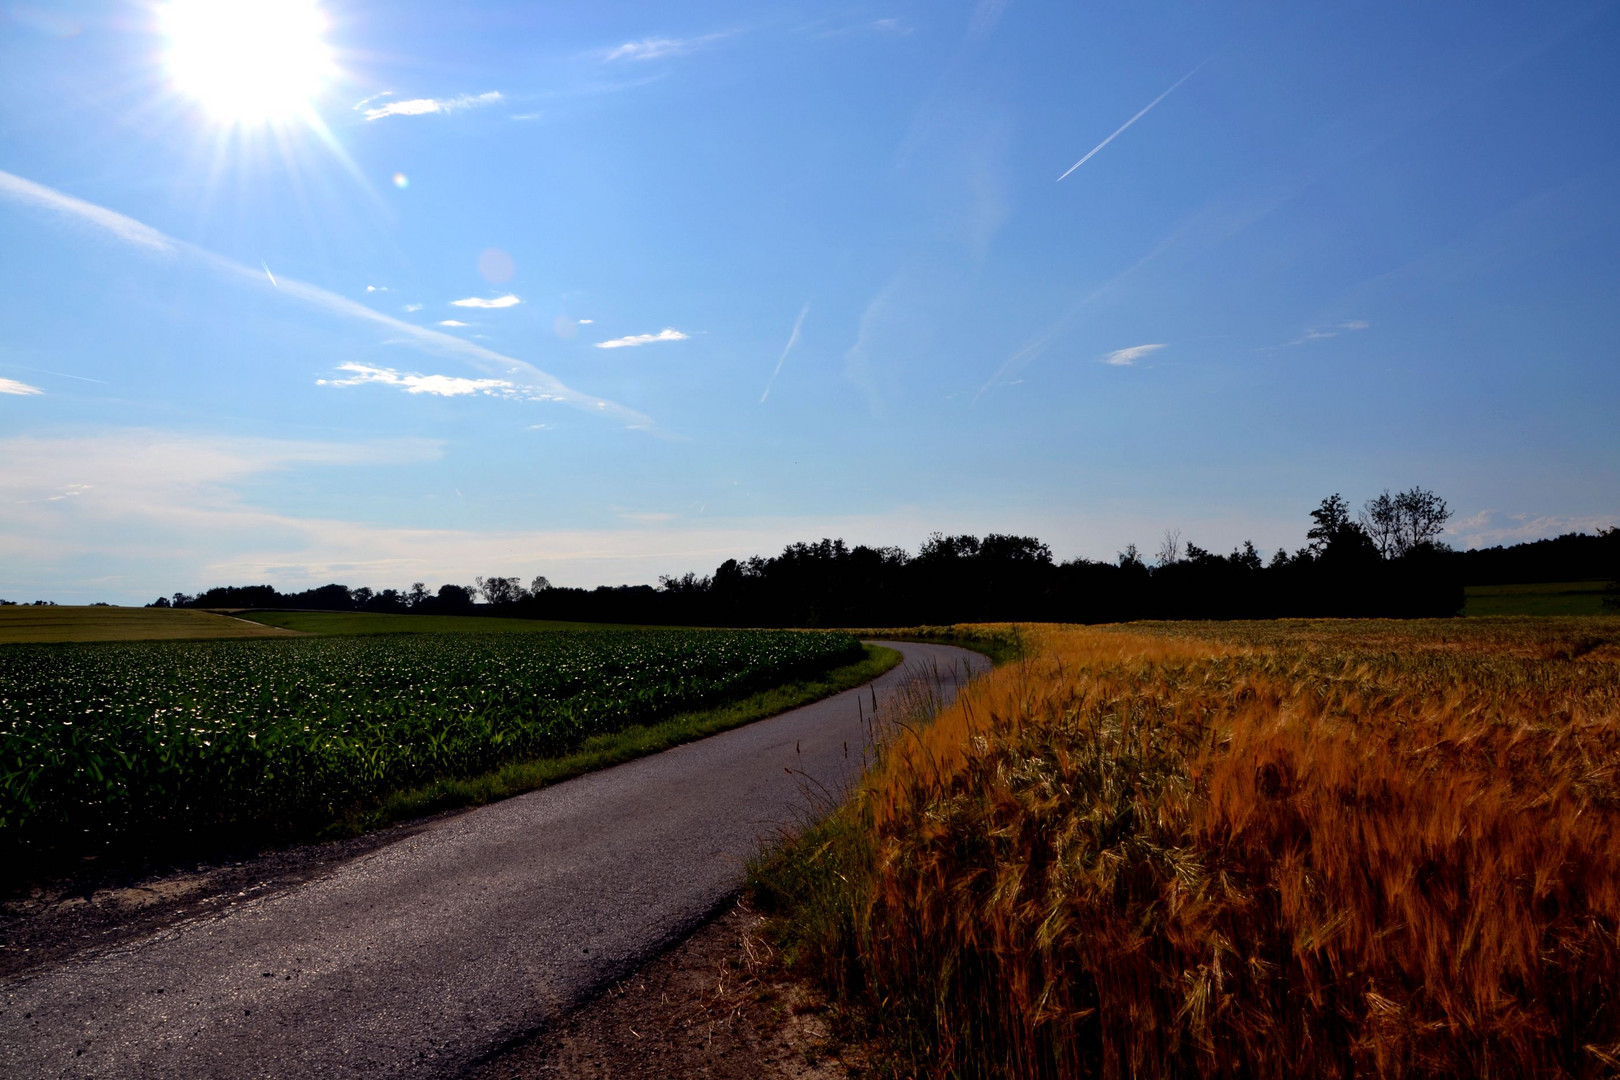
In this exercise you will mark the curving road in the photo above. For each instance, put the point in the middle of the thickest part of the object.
(423, 957)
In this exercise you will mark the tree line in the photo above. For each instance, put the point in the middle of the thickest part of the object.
(1388, 559)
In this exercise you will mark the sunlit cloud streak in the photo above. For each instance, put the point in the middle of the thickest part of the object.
(430, 106)
(124, 228)
(437, 385)
(793, 339)
(434, 341)
(1121, 130)
(658, 48)
(1331, 332)
(479, 302)
(451, 322)
(21, 389)
(1127, 357)
(668, 333)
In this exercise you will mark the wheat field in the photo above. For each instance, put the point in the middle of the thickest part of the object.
(1282, 849)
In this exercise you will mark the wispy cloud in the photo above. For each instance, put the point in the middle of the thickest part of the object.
(793, 339)
(22, 389)
(666, 334)
(658, 48)
(429, 106)
(891, 27)
(479, 302)
(541, 383)
(1127, 357)
(1121, 130)
(451, 322)
(1330, 332)
(1488, 528)
(986, 13)
(124, 228)
(437, 385)
(413, 307)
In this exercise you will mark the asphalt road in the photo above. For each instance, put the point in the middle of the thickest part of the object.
(421, 958)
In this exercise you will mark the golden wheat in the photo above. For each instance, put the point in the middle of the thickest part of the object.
(1267, 850)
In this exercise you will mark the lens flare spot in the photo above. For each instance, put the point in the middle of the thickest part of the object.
(496, 266)
(401, 181)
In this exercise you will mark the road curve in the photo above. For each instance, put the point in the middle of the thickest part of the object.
(423, 957)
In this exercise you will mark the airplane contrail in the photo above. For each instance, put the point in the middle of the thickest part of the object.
(1146, 109)
(793, 339)
(545, 385)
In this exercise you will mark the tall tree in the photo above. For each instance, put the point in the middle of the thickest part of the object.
(1331, 518)
(1422, 517)
(1381, 519)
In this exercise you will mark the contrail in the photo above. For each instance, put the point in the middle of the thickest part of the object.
(793, 339)
(548, 387)
(1132, 120)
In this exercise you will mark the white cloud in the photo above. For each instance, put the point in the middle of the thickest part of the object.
(585, 322)
(413, 307)
(429, 106)
(159, 511)
(668, 333)
(658, 48)
(1127, 357)
(377, 288)
(540, 385)
(22, 389)
(437, 385)
(1488, 528)
(451, 322)
(479, 302)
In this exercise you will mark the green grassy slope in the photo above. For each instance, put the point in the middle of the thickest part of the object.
(1540, 598)
(52, 624)
(350, 623)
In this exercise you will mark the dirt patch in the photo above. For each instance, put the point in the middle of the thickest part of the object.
(98, 907)
(716, 1006)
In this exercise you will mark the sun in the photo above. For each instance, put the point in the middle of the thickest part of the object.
(248, 61)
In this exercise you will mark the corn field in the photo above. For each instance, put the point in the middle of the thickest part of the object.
(105, 741)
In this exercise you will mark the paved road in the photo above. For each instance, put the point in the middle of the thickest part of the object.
(423, 957)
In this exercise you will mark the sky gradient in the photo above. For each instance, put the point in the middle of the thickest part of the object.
(602, 294)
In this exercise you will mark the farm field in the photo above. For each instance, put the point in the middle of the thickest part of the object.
(353, 623)
(1272, 849)
(131, 743)
(57, 624)
(1548, 598)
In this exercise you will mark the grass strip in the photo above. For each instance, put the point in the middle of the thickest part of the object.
(604, 751)
(1003, 643)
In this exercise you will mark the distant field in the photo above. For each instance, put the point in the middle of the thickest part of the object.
(40, 625)
(366, 623)
(1540, 598)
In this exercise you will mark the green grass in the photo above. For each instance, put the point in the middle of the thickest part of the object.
(1541, 598)
(44, 625)
(366, 623)
(603, 751)
(1001, 642)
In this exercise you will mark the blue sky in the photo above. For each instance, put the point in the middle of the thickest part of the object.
(603, 292)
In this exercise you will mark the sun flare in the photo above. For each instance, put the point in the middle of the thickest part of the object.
(248, 61)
